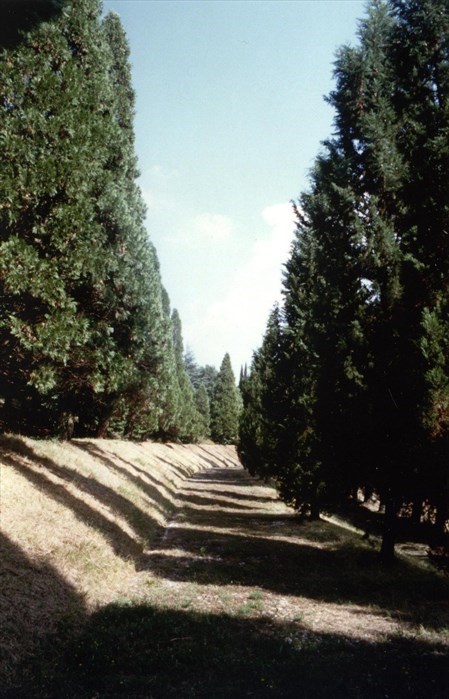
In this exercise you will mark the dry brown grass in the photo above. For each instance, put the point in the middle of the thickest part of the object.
(136, 556)
(75, 518)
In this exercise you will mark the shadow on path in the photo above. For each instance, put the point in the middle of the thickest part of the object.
(148, 652)
(218, 545)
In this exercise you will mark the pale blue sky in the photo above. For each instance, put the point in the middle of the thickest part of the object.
(230, 116)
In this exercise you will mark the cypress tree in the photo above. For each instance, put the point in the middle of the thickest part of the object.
(192, 368)
(350, 232)
(185, 421)
(404, 148)
(82, 326)
(365, 311)
(54, 116)
(198, 379)
(203, 408)
(207, 377)
(262, 445)
(420, 51)
(225, 405)
(324, 300)
(133, 304)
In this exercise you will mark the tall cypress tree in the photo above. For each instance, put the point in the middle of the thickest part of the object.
(263, 442)
(403, 144)
(185, 422)
(82, 326)
(365, 310)
(55, 102)
(324, 300)
(225, 405)
(202, 403)
(133, 292)
(420, 51)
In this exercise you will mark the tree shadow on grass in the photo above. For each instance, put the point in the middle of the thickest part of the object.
(225, 476)
(179, 461)
(181, 471)
(153, 490)
(101, 453)
(142, 651)
(243, 496)
(178, 470)
(38, 610)
(139, 651)
(196, 497)
(333, 571)
(20, 457)
(229, 461)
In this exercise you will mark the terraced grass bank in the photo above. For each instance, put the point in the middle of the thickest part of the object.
(149, 570)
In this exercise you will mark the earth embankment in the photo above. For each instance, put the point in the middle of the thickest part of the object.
(151, 570)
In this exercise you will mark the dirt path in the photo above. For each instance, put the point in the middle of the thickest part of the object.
(239, 599)
(234, 547)
(234, 598)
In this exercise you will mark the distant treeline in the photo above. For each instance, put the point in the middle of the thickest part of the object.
(88, 343)
(349, 392)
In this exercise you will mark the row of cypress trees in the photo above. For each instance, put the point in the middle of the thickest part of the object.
(88, 342)
(350, 388)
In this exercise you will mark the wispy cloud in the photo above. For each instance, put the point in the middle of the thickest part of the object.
(236, 323)
(156, 184)
(212, 228)
(206, 230)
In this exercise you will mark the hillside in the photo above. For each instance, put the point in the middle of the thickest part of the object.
(158, 570)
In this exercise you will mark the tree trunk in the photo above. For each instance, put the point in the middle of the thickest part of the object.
(102, 427)
(131, 419)
(387, 554)
(104, 420)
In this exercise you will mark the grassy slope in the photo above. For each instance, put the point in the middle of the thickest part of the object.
(100, 598)
(75, 519)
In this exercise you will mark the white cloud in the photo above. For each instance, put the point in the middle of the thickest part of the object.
(156, 185)
(236, 323)
(161, 173)
(212, 228)
(205, 230)
(157, 201)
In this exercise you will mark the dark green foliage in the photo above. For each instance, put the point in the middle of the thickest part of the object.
(208, 377)
(260, 444)
(225, 405)
(203, 379)
(192, 368)
(19, 16)
(202, 403)
(55, 100)
(200, 375)
(364, 354)
(133, 292)
(84, 336)
(182, 421)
